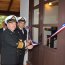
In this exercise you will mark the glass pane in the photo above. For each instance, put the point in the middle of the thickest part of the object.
(36, 16)
(35, 34)
(50, 22)
(51, 13)
(36, 2)
(45, 35)
(48, 31)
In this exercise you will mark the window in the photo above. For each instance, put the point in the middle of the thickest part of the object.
(50, 23)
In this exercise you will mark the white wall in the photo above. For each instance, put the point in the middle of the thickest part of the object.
(24, 9)
(24, 12)
(50, 14)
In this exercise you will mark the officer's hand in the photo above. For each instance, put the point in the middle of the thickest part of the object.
(30, 47)
(29, 42)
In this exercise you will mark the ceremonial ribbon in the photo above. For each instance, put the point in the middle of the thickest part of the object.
(58, 31)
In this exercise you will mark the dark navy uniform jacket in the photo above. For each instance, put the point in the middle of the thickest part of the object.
(1, 31)
(9, 48)
(20, 34)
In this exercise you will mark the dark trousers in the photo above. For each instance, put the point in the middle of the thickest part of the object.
(52, 43)
(21, 54)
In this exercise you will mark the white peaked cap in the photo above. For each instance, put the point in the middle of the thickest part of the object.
(10, 17)
(21, 18)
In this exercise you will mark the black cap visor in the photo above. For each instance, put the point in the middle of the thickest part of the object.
(11, 20)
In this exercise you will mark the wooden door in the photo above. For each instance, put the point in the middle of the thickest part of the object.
(44, 54)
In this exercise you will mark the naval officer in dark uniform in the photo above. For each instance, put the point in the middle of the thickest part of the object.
(9, 42)
(22, 35)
